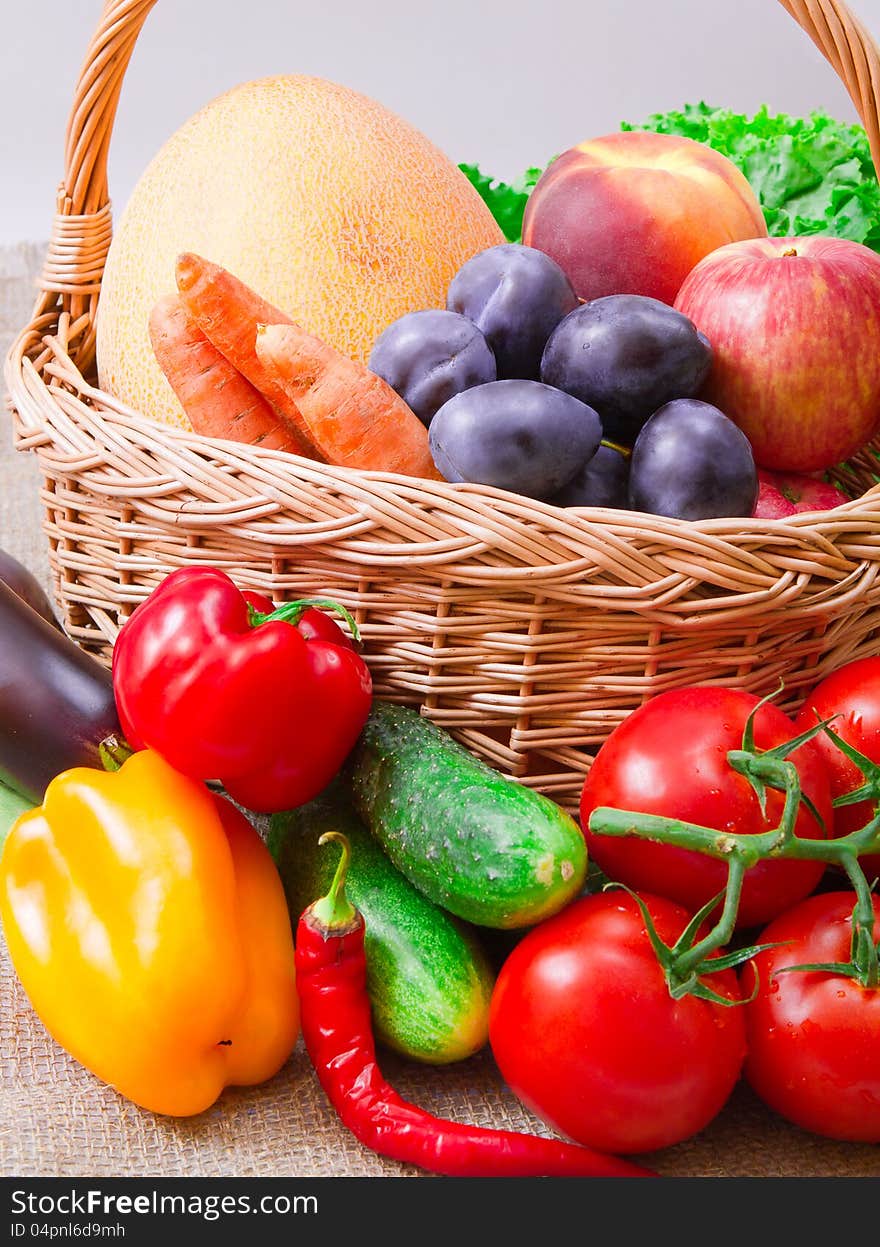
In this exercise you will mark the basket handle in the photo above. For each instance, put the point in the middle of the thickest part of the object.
(70, 281)
(71, 276)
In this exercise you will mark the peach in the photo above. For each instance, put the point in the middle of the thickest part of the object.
(632, 213)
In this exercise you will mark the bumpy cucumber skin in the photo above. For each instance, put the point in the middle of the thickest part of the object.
(428, 978)
(479, 844)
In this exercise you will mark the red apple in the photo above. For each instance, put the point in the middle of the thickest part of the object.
(786, 493)
(772, 503)
(794, 325)
(633, 212)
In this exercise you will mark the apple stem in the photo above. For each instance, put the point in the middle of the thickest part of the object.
(790, 251)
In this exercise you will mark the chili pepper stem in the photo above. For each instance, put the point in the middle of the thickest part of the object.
(335, 912)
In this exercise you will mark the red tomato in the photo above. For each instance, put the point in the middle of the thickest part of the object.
(814, 1036)
(585, 1033)
(669, 757)
(852, 694)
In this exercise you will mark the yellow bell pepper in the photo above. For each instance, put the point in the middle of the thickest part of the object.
(148, 925)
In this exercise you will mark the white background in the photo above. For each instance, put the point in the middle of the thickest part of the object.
(503, 84)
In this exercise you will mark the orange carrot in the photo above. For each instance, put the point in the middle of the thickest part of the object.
(228, 312)
(216, 398)
(354, 416)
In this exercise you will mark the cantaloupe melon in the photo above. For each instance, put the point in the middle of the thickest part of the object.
(329, 205)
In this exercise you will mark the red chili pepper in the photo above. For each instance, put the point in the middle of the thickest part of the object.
(337, 1031)
(269, 703)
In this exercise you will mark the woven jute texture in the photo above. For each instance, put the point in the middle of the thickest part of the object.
(56, 1119)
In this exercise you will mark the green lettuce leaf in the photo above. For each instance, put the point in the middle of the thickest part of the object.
(505, 200)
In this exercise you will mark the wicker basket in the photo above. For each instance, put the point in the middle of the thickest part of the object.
(526, 630)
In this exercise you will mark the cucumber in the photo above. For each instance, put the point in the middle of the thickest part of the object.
(428, 978)
(477, 843)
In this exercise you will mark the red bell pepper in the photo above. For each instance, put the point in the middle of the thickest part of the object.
(268, 702)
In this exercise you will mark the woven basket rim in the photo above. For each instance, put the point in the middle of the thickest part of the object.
(125, 416)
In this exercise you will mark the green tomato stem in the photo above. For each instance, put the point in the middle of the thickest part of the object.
(780, 842)
(741, 852)
(863, 950)
(685, 965)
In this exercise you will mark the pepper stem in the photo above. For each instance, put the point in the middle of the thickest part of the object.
(114, 752)
(292, 612)
(335, 910)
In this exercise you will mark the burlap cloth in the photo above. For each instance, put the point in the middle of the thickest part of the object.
(58, 1120)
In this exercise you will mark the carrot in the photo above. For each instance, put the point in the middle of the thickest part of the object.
(228, 312)
(342, 412)
(354, 416)
(217, 399)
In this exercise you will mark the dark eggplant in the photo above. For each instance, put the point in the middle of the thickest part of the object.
(56, 701)
(26, 585)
